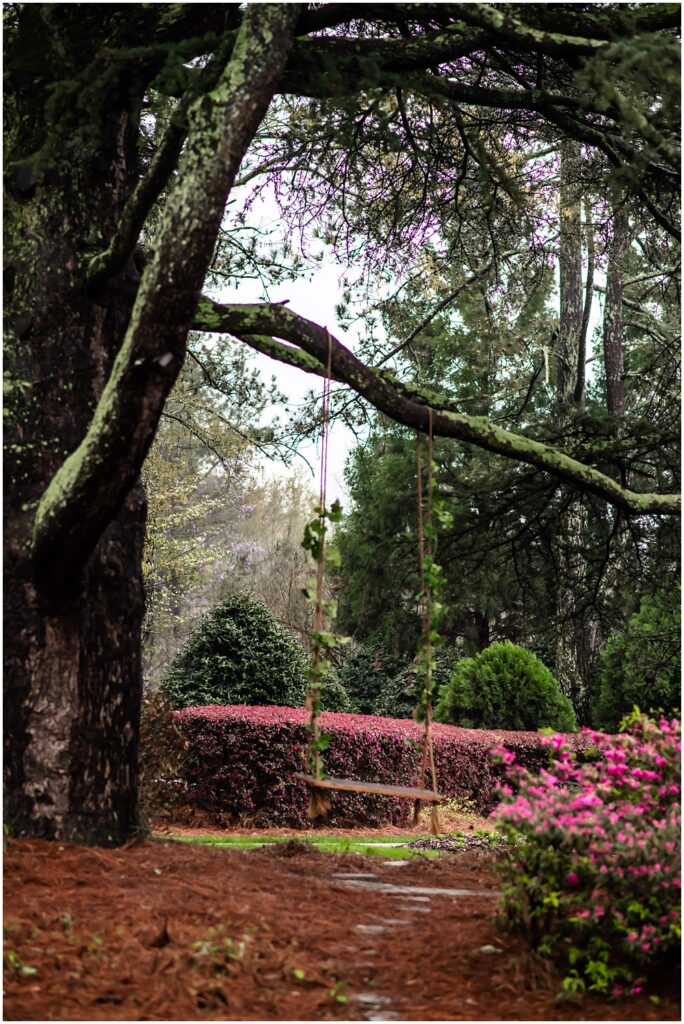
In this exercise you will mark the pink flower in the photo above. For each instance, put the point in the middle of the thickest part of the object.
(572, 878)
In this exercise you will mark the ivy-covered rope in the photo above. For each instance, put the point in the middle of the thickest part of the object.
(313, 696)
(430, 609)
(314, 541)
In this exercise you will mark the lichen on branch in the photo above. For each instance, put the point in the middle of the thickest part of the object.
(259, 325)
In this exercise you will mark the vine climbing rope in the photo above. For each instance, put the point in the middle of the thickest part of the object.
(319, 802)
(314, 541)
(425, 553)
(425, 556)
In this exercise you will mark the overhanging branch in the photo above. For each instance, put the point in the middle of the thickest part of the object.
(257, 324)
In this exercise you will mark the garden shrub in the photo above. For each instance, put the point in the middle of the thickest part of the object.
(366, 672)
(241, 761)
(397, 698)
(642, 666)
(595, 881)
(504, 687)
(238, 654)
(334, 696)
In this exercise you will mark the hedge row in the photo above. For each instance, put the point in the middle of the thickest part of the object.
(241, 761)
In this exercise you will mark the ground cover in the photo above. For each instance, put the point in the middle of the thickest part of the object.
(178, 931)
(383, 846)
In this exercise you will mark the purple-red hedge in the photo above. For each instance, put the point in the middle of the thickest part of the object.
(241, 761)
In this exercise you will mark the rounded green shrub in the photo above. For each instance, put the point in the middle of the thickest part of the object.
(504, 687)
(334, 696)
(238, 654)
(366, 672)
(642, 665)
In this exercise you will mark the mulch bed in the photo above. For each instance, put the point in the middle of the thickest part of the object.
(168, 931)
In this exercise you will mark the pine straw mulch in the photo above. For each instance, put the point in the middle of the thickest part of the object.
(140, 933)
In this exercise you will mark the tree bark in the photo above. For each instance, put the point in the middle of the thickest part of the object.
(576, 633)
(612, 315)
(570, 267)
(89, 372)
(72, 665)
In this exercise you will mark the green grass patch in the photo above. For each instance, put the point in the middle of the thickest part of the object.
(326, 844)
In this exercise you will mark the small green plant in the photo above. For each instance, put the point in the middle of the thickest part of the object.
(95, 943)
(14, 964)
(217, 951)
(337, 993)
(504, 687)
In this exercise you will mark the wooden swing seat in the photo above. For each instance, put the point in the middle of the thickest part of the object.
(376, 788)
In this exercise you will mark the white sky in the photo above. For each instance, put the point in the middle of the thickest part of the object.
(316, 300)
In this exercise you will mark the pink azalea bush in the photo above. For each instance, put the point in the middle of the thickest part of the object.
(241, 762)
(593, 872)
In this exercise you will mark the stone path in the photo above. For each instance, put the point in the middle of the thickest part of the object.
(415, 899)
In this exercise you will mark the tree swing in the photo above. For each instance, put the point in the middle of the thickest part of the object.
(319, 802)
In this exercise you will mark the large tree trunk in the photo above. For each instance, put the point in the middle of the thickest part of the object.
(612, 314)
(93, 356)
(72, 661)
(570, 271)
(576, 630)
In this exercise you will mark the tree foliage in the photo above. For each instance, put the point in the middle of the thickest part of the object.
(642, 665)
(237, 655)
(504, 687)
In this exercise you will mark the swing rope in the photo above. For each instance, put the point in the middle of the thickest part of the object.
(319, 803)
(319, 800)
(425, 548)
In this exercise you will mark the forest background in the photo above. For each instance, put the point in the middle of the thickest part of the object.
(538, 292)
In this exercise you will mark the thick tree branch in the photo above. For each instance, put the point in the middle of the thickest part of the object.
(410, 405)
(93, 482)
(108, 263)
(501, 22)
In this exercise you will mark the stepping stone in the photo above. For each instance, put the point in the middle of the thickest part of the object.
(412, 890)
(370, 998)
(348, 875)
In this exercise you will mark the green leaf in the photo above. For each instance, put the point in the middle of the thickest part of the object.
(335, 514)
(333, 558)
